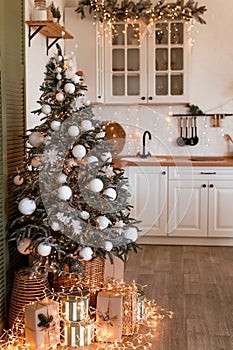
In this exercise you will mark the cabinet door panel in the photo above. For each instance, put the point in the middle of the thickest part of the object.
(187, 208)
(220, 208)
(149, 197)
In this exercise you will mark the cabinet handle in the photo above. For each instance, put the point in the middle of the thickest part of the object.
(150, 98)
(208, 173)
(163, 172)
(211, 185)
(99, 96)
(143, 98)
(204, 185)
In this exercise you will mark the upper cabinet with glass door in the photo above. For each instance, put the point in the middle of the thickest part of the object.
(147, 64)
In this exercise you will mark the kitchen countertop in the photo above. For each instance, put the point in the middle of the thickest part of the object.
(174, 161)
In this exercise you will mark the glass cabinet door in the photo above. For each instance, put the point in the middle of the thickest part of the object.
(125, 60)
(168, 64)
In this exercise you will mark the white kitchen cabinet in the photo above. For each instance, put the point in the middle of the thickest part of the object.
(148, 188)
(200, 201)
(147, 64)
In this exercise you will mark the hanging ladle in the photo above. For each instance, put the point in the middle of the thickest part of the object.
(196, 138)
(192, 138)
(186, 139)
(180, 140)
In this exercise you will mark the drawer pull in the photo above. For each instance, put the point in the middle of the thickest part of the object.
(163, 172)
(211, 185)
(208, 173)
(204, 185)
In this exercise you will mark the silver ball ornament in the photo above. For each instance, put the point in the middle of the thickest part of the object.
(27, 206)
(60, 96)
(96, 185)
(18, 180)
(46, 109)
(108, 246)
(86, 253)
(86, 125)
(111, 193)
(103, 222)
(36, 138)
(73, 131)
(131, 233)
(92, 159)
(55, 125)
(84, 215)
(64, 192)
(79, 151)
(69, 88)
(61, 178)
(44, 249)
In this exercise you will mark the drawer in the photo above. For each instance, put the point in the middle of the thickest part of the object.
(200, 173)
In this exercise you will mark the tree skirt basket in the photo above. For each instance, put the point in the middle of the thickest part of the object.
(92, 278)
(26, 290)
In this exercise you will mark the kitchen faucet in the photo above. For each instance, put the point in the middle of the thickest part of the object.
(144, 154)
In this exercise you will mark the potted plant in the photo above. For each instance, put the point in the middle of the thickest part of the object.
(55, 12)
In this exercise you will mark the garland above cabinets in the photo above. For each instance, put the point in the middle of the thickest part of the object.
(111, 11)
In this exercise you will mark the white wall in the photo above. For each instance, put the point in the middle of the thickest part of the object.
(211, 84)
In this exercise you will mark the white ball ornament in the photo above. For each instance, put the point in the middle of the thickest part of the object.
(79, 151)
(92, 159)
(111, 193)
(84, 215)
(87, 102)
(36, 138)
(86, 125)
(103, 222)
(23, 245)
(108, 246)
(69, 88)
(75, 79)
(27, 206)
(35, 162)
(131, 233)
(58, 70)
(64, 192)
(59, 76)
(55, 125)
(59, 58)
(100, 135)
(86, 253)
(18, 180)
(46, 109)
(73, 131)
(96, 185)
(60, 96)
(44, 249)
(106, 157)
(61, 178)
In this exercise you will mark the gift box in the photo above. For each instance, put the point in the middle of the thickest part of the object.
(140, 304)
(42, 324)
(77, 333)
(129, 312)
(108, 316)
(75, 306)
(114, 270)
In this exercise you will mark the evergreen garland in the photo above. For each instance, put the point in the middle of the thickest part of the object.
(111, 11)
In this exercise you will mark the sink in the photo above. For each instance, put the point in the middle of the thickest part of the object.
(143, 160)
(207, 159)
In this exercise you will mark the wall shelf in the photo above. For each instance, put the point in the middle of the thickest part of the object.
(221, 115)
(50, 29)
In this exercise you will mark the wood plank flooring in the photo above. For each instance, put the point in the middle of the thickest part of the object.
(194, 282)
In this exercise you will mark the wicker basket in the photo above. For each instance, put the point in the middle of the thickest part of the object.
(26, 290)
(92, 278)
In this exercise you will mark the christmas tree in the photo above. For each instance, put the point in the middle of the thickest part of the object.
(73, 204)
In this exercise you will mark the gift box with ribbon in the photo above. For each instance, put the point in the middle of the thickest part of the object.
(75, 306)
(42, 324)
(77, 333)
(109, 316)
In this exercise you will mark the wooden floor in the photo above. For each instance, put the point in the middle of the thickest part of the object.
(194, 282)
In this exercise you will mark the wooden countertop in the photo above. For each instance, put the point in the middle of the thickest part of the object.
(175, 161)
